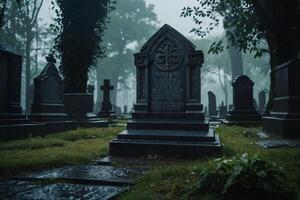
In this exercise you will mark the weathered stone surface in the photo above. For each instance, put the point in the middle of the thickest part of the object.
(243, 112)
(69, 191)
(284, 118)
(10, 188)
(168, 98)
(92, 172)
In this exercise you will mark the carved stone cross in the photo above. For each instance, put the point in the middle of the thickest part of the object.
(106, 88)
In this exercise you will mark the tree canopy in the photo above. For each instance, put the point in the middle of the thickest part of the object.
(80, 27)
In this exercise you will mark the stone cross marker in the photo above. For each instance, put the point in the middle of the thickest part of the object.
(48, 97)
(243, 111)
(168, 98)
(261, 102)
(106, 109)
(212, 106)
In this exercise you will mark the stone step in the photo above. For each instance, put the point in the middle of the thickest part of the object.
(161, 124)
(168, 135)
(123, 147)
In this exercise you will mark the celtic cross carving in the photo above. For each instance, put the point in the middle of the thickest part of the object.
(167, 57)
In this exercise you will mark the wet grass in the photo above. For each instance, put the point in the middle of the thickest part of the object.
(72, 147)
(178, 180)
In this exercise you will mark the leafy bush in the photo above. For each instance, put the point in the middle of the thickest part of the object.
(244, 177)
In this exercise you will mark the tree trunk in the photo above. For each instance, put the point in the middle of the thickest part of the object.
(280, 20)
(27, 70)
(236, 62)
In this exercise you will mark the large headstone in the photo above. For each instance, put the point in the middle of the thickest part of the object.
(13, 124)
(243, 112)
(212, 106)
(168, 117)
(106, 108)
(48, 102)
(284, 117)
(10, 87)
(261, 102)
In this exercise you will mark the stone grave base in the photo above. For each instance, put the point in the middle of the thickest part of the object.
(243, 118)
(172, 143)
(46, 117)
(287, 128)
(20, 131)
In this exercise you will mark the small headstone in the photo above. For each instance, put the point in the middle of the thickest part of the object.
(261, 102)
(212, 106)
(48, 97)
(125, 110)
(243, 112)
(106, 108)
(222, 110)
(168, 117)
(118, 110)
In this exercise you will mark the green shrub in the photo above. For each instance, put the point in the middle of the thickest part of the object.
(244, 177)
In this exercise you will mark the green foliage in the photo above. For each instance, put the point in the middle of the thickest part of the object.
(238, 17)
(32, 144)
(244, 177)
(79, 25)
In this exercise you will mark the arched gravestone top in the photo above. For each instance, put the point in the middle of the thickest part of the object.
(168, 74)
(243, 93)
(48, 85)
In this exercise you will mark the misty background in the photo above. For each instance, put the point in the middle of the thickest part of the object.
(132, 22)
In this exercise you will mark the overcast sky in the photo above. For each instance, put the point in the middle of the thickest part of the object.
(168, 12)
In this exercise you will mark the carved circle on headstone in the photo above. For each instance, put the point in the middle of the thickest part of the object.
(167, 56)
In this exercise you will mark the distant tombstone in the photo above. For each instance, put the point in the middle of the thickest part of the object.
(168, 117)
(125, 110)
(261, 102)
(205, 111)
(212, 106)
(255, 104)
(284, 118)
(48, 95)
(117, 110)
(10, 86)
(222, 110)
(106, 109)
(243, 112)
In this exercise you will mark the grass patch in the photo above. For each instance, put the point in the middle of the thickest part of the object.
(72, 147)
(180, 179)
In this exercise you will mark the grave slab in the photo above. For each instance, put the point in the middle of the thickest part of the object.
(69, 191)
(279, 143)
